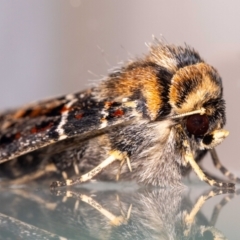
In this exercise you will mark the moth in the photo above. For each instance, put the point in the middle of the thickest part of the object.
(151, 121)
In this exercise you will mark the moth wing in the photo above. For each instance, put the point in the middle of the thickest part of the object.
(42, 124)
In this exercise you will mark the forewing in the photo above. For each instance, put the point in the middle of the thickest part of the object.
(76, 115)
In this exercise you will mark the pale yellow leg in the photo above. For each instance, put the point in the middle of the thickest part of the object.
(120, 167)
(114, 220)
(189, 159)
(33, 176)
(114, 156)
(189, 218)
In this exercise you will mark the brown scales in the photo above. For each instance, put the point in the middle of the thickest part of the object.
(141, 79)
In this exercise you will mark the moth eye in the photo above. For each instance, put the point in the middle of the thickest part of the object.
(197, 124)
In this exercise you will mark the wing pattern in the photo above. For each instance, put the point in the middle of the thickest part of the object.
(48, 122)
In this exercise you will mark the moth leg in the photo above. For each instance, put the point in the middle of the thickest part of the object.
(119, 171)
(121, 210)
(35, 175)
(120, 167)
(219, 207)
(190, 217)
(64, 175)
(220, 167)
(212, 232)
(76, 169)
(210, 175)
(190, 159)
(50, 205)
(114, 220)
(114, 156)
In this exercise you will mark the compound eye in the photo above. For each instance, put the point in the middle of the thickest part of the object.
(197, 124)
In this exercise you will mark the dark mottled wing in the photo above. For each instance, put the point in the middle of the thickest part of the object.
(45, 123)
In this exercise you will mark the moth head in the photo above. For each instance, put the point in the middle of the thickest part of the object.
(197, 101)
(207, 134)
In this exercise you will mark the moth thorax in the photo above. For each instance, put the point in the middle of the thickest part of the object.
(193, 86)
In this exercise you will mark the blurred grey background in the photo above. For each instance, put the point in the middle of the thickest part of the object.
(54, 47)
(49, 48)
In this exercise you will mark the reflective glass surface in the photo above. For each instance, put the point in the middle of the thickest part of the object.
(118, 211)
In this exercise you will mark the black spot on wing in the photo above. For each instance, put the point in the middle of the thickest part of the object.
(27, 137)
(7, 139)
(55, 111)
(88, 115)
(27, 113)
(90, 119)
(52, 133)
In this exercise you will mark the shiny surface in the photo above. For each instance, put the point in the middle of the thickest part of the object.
(118, 211)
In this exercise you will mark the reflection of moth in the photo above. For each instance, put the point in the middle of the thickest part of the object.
(129, 214)
(151, 121)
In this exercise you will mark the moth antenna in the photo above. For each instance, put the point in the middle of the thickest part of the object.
(103, 53)
(200, 111)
